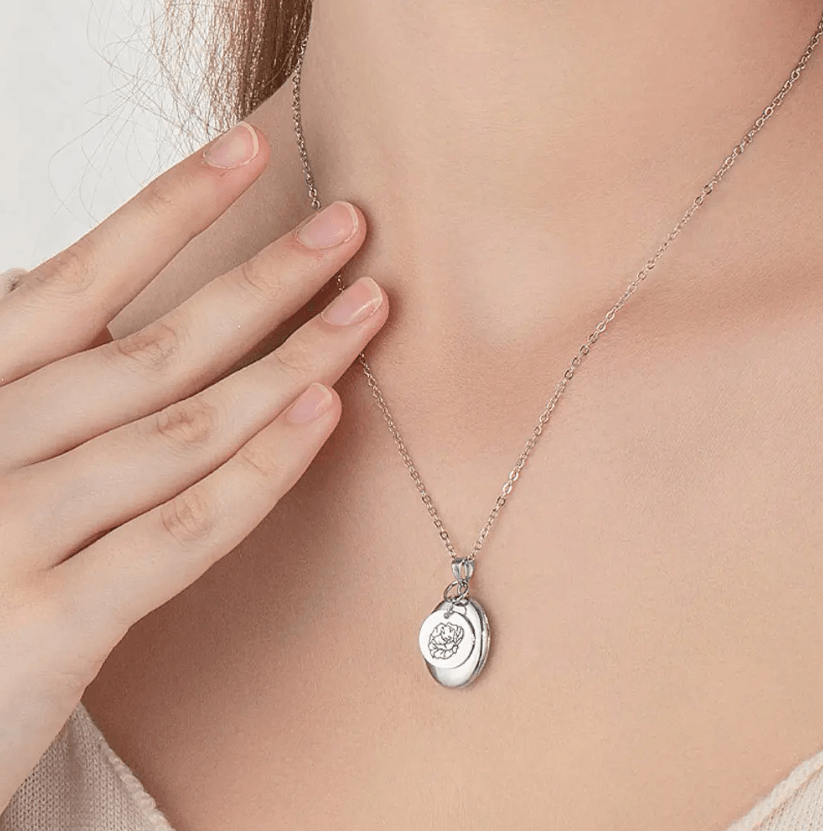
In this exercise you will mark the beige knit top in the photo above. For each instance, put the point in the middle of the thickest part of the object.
(80, 784)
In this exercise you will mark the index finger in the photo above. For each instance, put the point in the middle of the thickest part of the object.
(66, 301)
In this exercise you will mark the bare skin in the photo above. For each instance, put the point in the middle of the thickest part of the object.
(653, 585)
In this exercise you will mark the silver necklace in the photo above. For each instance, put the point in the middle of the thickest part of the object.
(455, 637)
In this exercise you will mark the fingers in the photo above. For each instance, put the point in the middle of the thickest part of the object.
(180, 352)
(63, 303)
(125, 472)
(142, 564)
(103, 337)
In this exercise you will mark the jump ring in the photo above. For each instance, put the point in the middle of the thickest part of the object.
(463, 590)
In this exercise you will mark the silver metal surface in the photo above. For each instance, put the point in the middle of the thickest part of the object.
(454, 641)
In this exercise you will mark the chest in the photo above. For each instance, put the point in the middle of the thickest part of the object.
(652, 587)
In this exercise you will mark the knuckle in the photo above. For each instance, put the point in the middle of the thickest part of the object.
(259, 461)
(175, 196)
(162, 197)
(68, 272)
(189, 423)
(258, 278)
(189, 517)
(152, 349)
(295, 362)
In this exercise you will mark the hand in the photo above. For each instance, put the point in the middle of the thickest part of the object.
(126, 469)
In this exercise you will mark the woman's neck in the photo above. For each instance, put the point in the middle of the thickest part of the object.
(520, 158)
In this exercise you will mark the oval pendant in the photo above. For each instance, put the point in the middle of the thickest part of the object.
(454, 640)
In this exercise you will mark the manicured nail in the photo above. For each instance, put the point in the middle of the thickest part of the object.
(310, 404)
(333, 225)
(235, 148)
(359, 301)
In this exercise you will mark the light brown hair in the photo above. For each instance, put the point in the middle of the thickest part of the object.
(250, 48)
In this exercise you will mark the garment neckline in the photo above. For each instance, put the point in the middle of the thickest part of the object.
(763, 810)
(133, 786)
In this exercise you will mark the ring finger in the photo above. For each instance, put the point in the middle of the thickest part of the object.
(145, 562)
(122, 473)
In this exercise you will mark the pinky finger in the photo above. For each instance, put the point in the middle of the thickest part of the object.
(141, 564)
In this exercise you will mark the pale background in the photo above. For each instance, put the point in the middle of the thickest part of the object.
(81, 130)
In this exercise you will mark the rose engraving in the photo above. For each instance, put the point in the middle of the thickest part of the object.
(444, 640)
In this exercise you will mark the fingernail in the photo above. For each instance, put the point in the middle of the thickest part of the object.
(235, 148)
(359, 301)
(333, 225)
(310, 404)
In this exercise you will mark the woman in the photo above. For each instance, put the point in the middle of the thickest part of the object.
(652, 585)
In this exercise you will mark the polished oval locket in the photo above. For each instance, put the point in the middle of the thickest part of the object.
(455, 638)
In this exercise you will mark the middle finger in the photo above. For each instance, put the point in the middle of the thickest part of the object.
(129, 470)
(80, 396)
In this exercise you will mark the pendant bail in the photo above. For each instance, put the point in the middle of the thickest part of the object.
(462, 569)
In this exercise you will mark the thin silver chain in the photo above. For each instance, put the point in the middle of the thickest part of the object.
(708, 188)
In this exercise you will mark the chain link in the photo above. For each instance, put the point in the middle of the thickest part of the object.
(584, 349)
